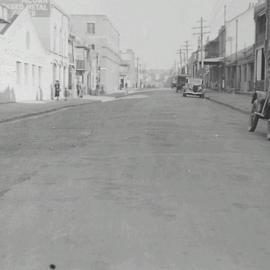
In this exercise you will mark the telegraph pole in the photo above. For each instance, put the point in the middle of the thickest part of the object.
(267, 47)
(225, 40)
(225, 14)
(187, 48)
(202, 32)
(236, 54)
(180, 59)
(137, 71)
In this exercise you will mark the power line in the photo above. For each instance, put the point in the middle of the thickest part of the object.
(203, 31)
(187, 48)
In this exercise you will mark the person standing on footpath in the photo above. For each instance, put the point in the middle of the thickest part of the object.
(79, 89)
(57, 89)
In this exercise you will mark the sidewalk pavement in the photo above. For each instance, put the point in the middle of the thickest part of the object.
(15, 111)
(238, 102)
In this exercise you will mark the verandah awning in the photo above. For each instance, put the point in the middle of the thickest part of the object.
(213, 61)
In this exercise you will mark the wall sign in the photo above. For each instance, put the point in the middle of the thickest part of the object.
(37, 8)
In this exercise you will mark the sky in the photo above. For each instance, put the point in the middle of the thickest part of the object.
(156, 29)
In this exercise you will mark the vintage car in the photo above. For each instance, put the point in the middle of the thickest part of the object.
(260, 110)
(194, 87)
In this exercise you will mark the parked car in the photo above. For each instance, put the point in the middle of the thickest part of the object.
(194, 87)
(260, 110)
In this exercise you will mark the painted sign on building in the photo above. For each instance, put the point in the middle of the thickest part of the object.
(37, 8)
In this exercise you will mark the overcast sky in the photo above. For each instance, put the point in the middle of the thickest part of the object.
(154, 29)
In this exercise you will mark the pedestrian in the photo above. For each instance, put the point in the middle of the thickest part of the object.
(57, 89)
(97, 90)
(81, 92)
(79, 89)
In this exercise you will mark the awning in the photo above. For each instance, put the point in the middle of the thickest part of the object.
(213, 61)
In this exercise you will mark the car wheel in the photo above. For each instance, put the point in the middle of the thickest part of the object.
(253, 117)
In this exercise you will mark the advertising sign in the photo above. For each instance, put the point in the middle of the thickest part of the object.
(37, 8)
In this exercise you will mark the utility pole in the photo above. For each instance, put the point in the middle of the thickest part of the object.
(187, 47)
(202, 32)
(181, 60)
(225, 14)
(236, 53)
(267, 47)
(137, 72)
(225, 49)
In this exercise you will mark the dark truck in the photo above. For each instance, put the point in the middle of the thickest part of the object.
(181, 81)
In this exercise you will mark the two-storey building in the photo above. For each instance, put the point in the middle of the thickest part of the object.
(23, 58)
(260, 38)
(52, 25)
(98, 33)
(240, 51)
(127, 69)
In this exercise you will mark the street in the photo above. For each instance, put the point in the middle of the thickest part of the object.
(146, 182)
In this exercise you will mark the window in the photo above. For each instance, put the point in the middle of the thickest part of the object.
(245, 73)
(260, 65)
(65, 41)
(34, 75)
(26, 69)
(39, 76)
(19, 72)
(60, 42)
(91, 28)
(55, 38)
(93, 46)
(27, 40)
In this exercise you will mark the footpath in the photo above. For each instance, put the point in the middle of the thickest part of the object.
(10, 112)
(238, 102)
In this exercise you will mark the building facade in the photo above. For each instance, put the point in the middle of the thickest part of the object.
(72, 67)
(24, 65)
(98, 33)
(239, 58)
(127, 69)
(214, 61)
(260, 18)
(53, 26)
(54, 32)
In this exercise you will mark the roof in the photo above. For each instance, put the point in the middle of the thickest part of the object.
(56, 6)
(6, 27)
(97, 15)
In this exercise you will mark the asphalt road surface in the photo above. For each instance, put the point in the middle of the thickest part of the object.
(148, 182)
